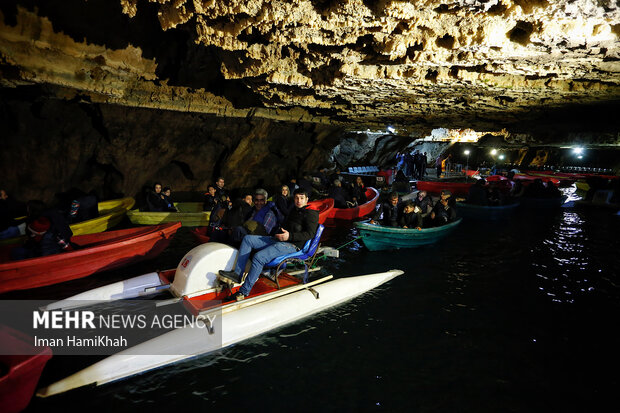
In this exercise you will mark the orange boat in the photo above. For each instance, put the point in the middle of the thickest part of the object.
(97, 252)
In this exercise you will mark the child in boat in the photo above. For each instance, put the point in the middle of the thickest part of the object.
(411, 216)
(167, 193)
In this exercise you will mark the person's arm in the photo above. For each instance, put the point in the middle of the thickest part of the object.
(270, 221)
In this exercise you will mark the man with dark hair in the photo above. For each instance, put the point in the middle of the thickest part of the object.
(219, 188)
(387, 213)
(299, 226)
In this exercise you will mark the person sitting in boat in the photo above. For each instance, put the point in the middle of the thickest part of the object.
(219, 210)
(83, 208)
(284, 201)
(234, 216)
(536, 189)
(167, 194)
(262, 220)
(478, 194)
(411, 217)
(401, 183)
(551, 190)
(443, 212)
(387, 213)
(299, 226)
(48, 232)
(210, 199)
(496, 197)
(219, 188)
(155, 199)
(358, 192)
(9, 211)
(338, 194)
(424, 206)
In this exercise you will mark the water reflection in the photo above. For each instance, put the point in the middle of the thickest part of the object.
(563, 260)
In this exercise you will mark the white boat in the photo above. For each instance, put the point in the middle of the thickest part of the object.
(195, 279)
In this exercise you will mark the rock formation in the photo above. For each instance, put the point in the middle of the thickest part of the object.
(235, 75)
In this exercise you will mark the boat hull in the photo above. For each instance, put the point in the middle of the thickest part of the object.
(485, 212)
(350, 214)
(100, 252)
(190, 215)
(25, 364)
(231, 327)
(377, 237)
(435, 187)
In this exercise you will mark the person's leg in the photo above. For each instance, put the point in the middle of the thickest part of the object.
(249, 243)
(261, 258)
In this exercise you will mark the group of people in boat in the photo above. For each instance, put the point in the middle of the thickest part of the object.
(47, 229)
(159, 199)
(421, 212)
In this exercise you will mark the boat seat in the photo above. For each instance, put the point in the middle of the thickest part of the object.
(307, 255)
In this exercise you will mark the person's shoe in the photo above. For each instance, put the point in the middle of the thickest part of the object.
(238, 296)
(230, 275)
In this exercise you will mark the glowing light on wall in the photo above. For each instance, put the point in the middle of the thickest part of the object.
(493, 151)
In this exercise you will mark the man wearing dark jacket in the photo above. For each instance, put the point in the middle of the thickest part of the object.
(387, 213)
(299, 226)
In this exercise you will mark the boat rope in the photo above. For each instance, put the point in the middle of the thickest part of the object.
(347, 243)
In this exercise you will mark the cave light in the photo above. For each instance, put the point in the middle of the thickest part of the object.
(493, 152)
(501, 157)
(466, 152)
(578, 151)
(390, 129)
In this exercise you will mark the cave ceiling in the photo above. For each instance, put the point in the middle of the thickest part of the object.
(520, 65)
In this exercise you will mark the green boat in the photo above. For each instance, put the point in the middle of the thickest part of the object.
(190, 215)
(377, 237)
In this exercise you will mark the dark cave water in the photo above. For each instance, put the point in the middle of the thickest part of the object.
(514, 316)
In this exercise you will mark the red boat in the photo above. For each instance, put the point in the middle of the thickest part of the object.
(372, 195)
(435, 187)
(324, 206)
(97, 252)
(21, 365)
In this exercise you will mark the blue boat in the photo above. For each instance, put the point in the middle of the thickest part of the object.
(486, 212)
(377, 237)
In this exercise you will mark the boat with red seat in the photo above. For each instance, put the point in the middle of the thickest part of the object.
(96, 252)
(216, 324)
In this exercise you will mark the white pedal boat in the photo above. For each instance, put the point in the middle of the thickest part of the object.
(193, 282)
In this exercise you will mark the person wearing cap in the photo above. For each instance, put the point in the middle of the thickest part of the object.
(443, 211)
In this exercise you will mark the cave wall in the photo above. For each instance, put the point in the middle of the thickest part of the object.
(52, 145)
